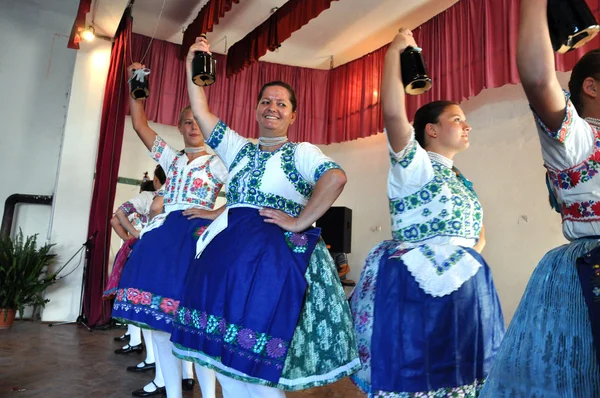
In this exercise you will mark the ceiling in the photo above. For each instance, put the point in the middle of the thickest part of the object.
(348, 30)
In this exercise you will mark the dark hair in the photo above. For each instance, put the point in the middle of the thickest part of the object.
(160, 174)
(587, 66)
(428, 113)
(280, 84)
(147, 186)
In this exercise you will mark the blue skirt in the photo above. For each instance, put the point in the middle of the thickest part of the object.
(151, 284)
(242, 298)
(548, 350)
(412, 343)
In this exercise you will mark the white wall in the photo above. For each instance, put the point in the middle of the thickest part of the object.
(36, 69)
(76, 176)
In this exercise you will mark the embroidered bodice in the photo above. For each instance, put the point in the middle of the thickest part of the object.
(188, 185)
(430, 201)
(137, 208)
(435, 216)
(283, 179)
(572, 159)
(193, 184)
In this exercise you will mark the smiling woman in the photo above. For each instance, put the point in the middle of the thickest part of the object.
(262, 303)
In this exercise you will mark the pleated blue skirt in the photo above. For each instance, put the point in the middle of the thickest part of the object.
(548, 350)
(243, 296)
(413, 343)
(151, 284)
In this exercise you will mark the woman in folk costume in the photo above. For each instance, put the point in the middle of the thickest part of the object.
(127, 222)
(150, 287)
(426, 312)
(550, 348)
(262, 303)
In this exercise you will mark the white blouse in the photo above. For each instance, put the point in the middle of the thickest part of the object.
(572, 158)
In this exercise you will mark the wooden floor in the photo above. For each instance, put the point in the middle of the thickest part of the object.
(70, 362)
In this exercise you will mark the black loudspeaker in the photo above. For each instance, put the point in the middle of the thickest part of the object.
(336, 229)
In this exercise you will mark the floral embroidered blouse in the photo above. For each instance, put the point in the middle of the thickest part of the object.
(435, 215)
(572, 158)
(283, 179)
(188, 185)
(137, 208)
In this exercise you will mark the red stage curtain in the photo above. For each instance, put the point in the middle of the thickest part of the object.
(232, 99)
(208, 16)
(469, 47)
(270, 34)
(97, 310)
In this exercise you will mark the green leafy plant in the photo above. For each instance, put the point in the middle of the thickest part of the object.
(24, 272)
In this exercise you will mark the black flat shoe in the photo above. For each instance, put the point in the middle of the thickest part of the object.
(187, 384)
(125, 337)
(147, 366)
(130, 348)
(143, 393)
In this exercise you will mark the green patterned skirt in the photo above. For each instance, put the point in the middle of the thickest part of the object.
(323, 349)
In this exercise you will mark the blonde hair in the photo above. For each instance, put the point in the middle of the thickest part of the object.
(182, 114)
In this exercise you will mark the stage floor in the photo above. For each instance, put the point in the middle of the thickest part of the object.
(70, 362)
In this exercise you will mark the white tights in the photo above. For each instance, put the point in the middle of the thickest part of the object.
(238, 389)
(171, 368)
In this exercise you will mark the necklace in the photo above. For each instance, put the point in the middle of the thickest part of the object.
(194, 150)
(272, 141)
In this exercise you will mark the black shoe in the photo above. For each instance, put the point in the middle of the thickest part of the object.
(125, 337)
(130, 348)
(187, 384)
(147, 366)
(143, 393)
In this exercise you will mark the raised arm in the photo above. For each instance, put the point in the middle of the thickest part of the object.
(535, 61)
(138, 115)
(327, 190)
(392, 92)
(205, 119)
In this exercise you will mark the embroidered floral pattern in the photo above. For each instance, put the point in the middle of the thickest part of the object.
(131, 300)
(323, 168)
(217, 135)
(158, 147)
(128, 208)
(581, 211)
(408, 157)
(461, 216)
(200, 230)
(466, 391)
(201, 191)
(244, 186)
(258, 345)
(298, 242)
(563, 132)
(583, 172)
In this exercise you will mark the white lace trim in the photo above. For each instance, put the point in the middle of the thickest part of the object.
(426, 262)
(440, 159)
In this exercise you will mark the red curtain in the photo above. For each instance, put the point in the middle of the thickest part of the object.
(232, 99)
(469, 47)
(269, 35)
(97, 310)
(208, 16)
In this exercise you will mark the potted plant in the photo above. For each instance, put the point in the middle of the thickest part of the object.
(23, 275)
